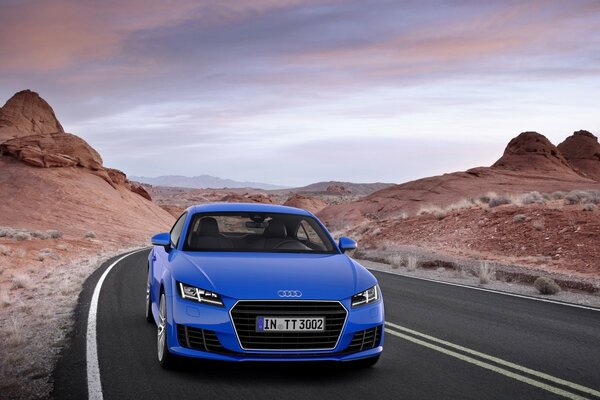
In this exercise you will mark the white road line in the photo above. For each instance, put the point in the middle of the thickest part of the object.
(496, 360)
(93, 369)
(522, 296)
(490, 367)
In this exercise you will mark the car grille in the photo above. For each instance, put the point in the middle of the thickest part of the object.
(365, 340)
(244, 315)
(199, 339)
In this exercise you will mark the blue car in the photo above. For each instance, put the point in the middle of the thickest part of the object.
(257, 282)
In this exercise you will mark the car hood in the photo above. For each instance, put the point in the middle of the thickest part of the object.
(262, 275)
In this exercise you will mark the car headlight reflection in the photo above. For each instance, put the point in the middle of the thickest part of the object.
(200, 295)
(368, 296)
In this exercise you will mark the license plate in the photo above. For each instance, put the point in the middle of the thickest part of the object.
(290, 324)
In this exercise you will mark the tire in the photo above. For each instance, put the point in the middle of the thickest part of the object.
(366, 362)
(149, 316)
(165, 358)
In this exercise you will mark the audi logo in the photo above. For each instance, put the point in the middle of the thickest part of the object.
(289, 293)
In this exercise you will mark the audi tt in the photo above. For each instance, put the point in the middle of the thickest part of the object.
(258, 282)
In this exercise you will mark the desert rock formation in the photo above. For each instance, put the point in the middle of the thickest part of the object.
(312, 204)
(582, 151)
(530, 162)
(26, 113)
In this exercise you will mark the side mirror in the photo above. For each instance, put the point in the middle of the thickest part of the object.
(345, 243)
(162, 239)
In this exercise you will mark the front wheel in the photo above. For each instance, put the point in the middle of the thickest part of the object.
(149, 316)
(165, 358)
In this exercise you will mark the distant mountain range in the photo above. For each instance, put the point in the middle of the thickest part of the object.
(361, 189)
(202, 182)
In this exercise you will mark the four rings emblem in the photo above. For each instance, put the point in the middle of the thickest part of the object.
(289, 293)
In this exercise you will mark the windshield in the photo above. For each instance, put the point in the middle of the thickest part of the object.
(257, 232)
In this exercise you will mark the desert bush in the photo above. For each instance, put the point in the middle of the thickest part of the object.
(571, 199)
(558, 195)
(62, 247)
(4, 232)
(519, 217)
(4, 298)
(546, 285)
(486, 273)
(90, 234)
(461, 205)
(21, 281)
(582, 196)
(499, 200)
(589, 207)
(395, 261)
(4, 250)
(22, 236)
(538, 225)
(39, 235)
(54, 234)
(486, 198)
(531, 198)
(411, 263)
(440, 214)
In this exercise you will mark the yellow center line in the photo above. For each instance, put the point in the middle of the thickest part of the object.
(502, 371)
(500, 361)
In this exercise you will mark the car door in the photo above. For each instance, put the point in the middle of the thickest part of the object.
(161, 256)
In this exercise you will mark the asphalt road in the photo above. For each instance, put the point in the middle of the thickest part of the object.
(442, 342)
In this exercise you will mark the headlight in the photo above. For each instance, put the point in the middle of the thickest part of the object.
(200, 295)
(368, 296)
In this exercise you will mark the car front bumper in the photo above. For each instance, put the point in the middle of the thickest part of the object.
(214, 336)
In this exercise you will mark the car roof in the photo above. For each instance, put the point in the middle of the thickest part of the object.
(246, 207)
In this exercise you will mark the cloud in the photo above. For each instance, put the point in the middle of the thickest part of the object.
(234, 85)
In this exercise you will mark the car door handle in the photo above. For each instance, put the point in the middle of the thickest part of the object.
(154, 257)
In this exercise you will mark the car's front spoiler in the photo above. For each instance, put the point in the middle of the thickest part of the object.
(242, 357)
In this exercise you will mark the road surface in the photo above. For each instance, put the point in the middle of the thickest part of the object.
(441, 342)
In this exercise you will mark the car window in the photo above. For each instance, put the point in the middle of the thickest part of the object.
(257, 232)
(176, 230)
(307, 233)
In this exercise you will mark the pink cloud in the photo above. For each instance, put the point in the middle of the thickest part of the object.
(50, 35)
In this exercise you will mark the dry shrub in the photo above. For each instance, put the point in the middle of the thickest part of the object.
(519, 217)
(14, 333)
(499, 201)
(40, 235)
(20, 281)
(90, 234)
(546, 285)
(440, 214)
(486, 273)
(54, 234)
(411, 263)
(582, 196)
(4, 298)
(486, 198)
(558, 195)
(4, 250)
(395, 261)
(22, 236)
(532, 198)
(589, 207)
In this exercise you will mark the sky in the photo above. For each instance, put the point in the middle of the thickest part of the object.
(292, 92)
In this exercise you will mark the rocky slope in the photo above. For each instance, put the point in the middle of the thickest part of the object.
(61, 212)
(582, 151)
(529, 163)
(312, 204)
(53, 180)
